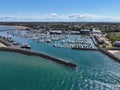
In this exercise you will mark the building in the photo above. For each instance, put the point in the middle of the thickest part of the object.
(55, 32)
(96, 32)
(75, 32)
(117, 43)
(100, 40)
(85, 32)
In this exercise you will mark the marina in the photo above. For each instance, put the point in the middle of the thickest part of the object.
(12, 48)
(94, 69)
(64, 41)
(60, 45)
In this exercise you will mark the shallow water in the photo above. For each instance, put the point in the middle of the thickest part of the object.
(3, 27)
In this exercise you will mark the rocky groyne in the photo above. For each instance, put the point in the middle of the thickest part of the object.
(104, 51)
(29, 52)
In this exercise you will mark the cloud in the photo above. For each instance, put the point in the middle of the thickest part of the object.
(53, 15)
(15, 18)
(7, 17)
(78, 17)
(91, 17)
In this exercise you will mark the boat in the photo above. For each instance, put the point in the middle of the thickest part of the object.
(56, 45)
(15, 43)
(25, 45)
(48, 41)
(34, 38)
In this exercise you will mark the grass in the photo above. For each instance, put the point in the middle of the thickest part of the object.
(107, 46)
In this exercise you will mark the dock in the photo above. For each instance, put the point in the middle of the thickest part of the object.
(92, 49)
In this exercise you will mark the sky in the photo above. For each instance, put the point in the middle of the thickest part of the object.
(60, 10)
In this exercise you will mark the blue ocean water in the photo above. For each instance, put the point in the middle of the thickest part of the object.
(94, 71)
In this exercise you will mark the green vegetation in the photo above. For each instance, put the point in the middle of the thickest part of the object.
(113, 37)
(104, 27)
(107, 46)
(58, 27)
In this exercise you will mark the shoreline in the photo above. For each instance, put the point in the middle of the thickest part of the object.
(19, 27)
(6, 46)
(112, 56)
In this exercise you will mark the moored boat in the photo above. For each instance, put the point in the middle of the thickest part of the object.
(25, 45)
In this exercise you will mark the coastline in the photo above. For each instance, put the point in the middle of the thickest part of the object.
(112, 56)
(18, 27)
(21, 27)
(12, 48)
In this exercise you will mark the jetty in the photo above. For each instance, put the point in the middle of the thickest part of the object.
(91, 49)
(29, 52)
(105, 51)
(5, 42)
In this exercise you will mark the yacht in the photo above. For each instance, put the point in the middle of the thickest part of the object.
(25, 45)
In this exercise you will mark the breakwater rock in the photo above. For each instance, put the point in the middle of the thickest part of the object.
(30, 52)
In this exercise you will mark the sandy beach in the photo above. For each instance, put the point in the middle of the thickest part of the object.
(17, 27)
(115, 53)
(20, 27)
(2, 45)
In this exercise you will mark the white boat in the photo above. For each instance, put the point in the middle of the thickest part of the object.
(25, 45)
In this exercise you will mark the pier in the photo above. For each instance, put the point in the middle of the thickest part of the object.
(94, 41)
(29, 52)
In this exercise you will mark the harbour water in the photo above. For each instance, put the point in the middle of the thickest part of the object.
(3, 27)
(95, 71)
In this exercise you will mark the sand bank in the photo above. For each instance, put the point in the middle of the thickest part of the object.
(115, 53)
(2, 45)
(21, 27)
